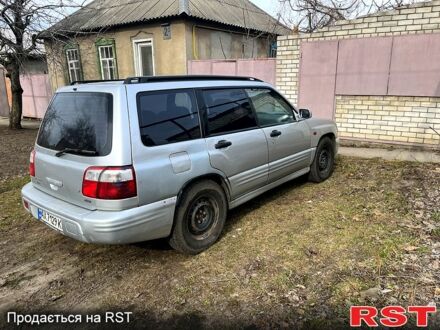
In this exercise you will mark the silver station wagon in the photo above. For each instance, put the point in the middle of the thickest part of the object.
(120, 162)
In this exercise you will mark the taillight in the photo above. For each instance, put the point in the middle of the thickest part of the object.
(26, 204)
(109, 182)
(32, 163)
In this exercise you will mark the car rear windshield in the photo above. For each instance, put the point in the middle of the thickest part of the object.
(81, 121)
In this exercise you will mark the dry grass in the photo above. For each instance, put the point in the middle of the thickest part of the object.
(301, 254)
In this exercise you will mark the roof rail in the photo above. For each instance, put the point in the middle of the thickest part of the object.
(78, 82)
(153, 79)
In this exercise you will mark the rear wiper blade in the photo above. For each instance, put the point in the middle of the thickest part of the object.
(76, 151)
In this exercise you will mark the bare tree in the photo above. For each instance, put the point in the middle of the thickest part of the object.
(23, 23)
(271, 28)
(311, 15)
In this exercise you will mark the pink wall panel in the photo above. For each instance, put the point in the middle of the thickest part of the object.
(36, 95)
(363, 66)
(415, 66)
(224, 68)
(400, 65)
(264, 69)
(199, 67)
(29, 108)
(318, 77)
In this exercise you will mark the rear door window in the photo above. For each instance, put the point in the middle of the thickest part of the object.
(82, 121)
(228, 111)
(168, 117)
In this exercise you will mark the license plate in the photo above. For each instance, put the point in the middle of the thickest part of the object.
(51, 220)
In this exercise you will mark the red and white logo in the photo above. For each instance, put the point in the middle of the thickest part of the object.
(391, 316)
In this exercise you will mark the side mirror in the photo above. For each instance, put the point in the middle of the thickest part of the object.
(305, 113)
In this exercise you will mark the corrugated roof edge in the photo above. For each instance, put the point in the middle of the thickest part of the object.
(62, 31)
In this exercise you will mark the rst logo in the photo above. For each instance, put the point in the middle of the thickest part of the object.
(391, 316)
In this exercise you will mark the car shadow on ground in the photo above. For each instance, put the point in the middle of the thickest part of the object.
(237, 214)
(154, 245)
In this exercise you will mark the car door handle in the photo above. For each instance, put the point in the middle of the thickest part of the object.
(275, 134)
(223, 144)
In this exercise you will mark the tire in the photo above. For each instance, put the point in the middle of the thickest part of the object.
(324, 162)
(200, 218)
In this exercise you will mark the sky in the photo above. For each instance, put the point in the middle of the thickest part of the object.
(268, 5)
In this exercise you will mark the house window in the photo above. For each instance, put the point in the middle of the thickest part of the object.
(143, 57)
(73, 64)
(273, 50)
(107, 60)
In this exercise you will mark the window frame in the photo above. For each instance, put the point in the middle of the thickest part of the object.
(169, 91)
(136, 44)
(107, 43)
(204, 111)
(292, 108)
(68, 49)
(110, 112)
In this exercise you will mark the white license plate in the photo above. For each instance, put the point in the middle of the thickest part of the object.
(50, 220)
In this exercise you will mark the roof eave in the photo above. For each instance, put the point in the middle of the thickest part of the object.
(184, 15)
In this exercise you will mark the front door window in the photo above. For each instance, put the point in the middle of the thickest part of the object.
(271, 108)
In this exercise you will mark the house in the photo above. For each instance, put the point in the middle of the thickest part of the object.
(111, 39)
(377, 76)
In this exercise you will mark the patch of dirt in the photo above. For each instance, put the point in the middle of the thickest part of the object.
(301, 255)
(298, 256)
(15, 148)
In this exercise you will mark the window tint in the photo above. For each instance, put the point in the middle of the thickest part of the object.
(168, 117)
(78, 121)
(228, 110)
(270, 107)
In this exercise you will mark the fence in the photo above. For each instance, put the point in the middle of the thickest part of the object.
(382, 66)
(36, 95)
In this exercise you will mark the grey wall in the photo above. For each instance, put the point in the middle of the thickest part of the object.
(4, 105)
(215, 44)
(35, 66)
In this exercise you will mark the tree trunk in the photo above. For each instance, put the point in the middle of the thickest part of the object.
(17, 97)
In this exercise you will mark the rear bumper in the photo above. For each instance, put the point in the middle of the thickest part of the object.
(138, 224)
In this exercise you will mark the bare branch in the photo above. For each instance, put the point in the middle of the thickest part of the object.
(23, 23)
(310, 15)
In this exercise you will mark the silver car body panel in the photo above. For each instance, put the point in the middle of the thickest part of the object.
(244, 162)
(319, 128)
(148, 222)
(251, 195)
(69, 169)
(252, 165)
(289, 152)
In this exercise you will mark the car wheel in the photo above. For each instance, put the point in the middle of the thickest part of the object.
(200, 218)
(324, 162)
